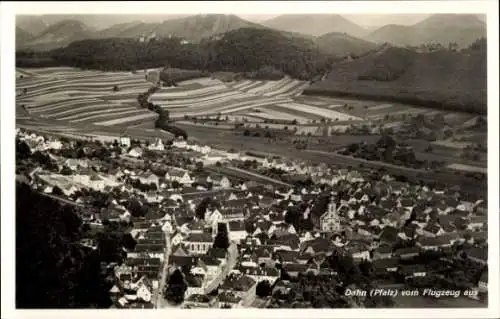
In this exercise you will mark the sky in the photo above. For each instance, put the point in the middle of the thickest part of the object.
(365, 20)
(369, 21)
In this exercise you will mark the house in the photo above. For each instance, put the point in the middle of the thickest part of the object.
(407, 253)
(210, 265)
(144, 289)
(228, 300)
(217, 253)
(136, 152)
(286, 242)
(476, 223)
(194, 284)
(431, 230)
(149, 178)
(157, 145)
(294, 269)
(125, 141)
(74, 164)
(483, 282)
(318, 245)
(176, 239)
(285, 257)
(358, 250)
(233, 214)
(263, 254)
(237, 230)
(198, 243)
(382, 252)
(433, 243)
(225, 182)
(241, 286)
(412, 271)
(213, 217)
(179, 175)
(261, 274)
(383, 266)
(198, 301)
(180, 262)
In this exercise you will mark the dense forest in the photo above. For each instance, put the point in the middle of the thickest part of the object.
(53, 270)
(241, 50)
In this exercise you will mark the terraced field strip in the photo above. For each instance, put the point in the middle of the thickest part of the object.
(122, 120)
(206, 81)
(241, 84)
(325, 113)
(98, 113)
(235, 106)
(468, 168)
(268, 86)
(272, 114)
(48, 108)
(250, 86)
(288, 88)
(166, 94)
(295, 113)
(205, 100)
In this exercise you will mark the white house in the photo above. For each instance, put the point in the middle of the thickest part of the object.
(178, 175)
(198, 243)
(157, 145)
(176, 239)
(225, 183)
(136, 152)
(149, 178)
(125, 141)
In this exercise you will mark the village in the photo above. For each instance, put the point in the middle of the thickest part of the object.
(219, 229)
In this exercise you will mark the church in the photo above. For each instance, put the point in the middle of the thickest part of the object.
(330, 220)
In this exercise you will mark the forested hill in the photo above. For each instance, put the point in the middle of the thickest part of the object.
(241, 50)
(52, 269)
(444, 78)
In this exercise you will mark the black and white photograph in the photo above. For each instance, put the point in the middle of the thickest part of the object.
(177, 160)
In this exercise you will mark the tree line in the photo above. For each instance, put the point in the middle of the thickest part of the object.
(241, 50)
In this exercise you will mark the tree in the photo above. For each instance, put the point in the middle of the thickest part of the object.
(263, 289)
(199, 167)
(23, 151)
(202, 208)
(222, 238)
(136, 208)
(128, 242)
(56, 190)
(176, 287)
(116, 88)
(48, 253)
(176, 184)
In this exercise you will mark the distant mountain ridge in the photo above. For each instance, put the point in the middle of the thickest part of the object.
(193, 28)
(59, 34)
(342, 44)
(315, 24)
(462, 29)
(49, 31)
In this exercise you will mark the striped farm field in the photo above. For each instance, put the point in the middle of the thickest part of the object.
(318, 111)
(272, 114)
(199, 98)
(87, 97)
